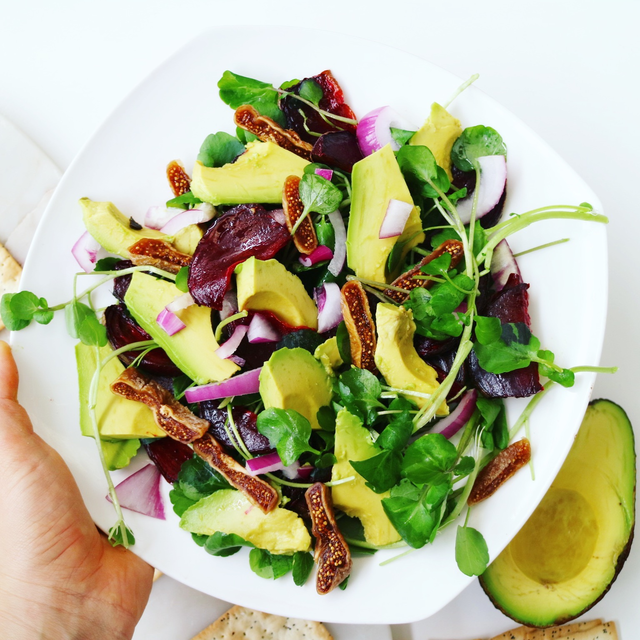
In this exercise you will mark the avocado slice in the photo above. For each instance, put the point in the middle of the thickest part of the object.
(397, 358)
(294, 379)
(266, 285)
(193, 349)
(329, 355)
(438, 133)
(229, 511)
(110, 227)
(572, 548)
(354, 442)
(377, 179)
(257, 175)
(117, 417)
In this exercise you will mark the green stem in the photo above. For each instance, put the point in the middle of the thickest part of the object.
(322, 112)
(540, 246)
(229, 320)
(461, 88)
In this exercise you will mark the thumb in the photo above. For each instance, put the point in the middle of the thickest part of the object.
(8, 374)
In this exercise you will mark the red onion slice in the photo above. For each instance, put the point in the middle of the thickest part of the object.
(329, 306)
(229, 304)
(503, 264)
(238, 360)
(261, 330)
(304, 473)
(278, 216)
(181, 302)
(170, 322)
(395, 219)
(327, 174)
(319, 254)
(493, 178)
(450, 425)
(241, 385)
(85, 251)
(229, 347)
(340, 249)
(374, 130)
(203, 213)
(158, 216)
(140, 492)
(265, 464)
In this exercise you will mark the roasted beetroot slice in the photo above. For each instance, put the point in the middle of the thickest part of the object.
(332, 101)
(244, 231)
(338, 149)
(122, 330)
(442, 364)
(511, 304)
(245, 421)
(121, 284)
(168, 455)
(428, 347)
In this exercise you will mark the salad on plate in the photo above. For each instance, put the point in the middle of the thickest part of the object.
(313, 339)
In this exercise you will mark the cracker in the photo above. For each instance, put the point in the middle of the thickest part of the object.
(248, 624)
(10, 272)
(589, 630)
(565, 631)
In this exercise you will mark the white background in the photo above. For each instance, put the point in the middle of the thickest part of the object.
(568, 69)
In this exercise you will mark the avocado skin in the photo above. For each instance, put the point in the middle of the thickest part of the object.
(489, 582)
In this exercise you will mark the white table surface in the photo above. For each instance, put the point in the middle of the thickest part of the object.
(568, 69)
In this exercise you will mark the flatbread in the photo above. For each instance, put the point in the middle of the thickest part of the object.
(248, 624)
(589, 630)
(10, 272)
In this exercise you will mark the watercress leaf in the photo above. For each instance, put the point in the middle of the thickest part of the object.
(179, 501)
(488, 330)
(476, 142)
(184, 201)
(344, 584)
(517, 333)
(287, 431)
(225, 544)
(565, 377)
(197, 479)
(447, 323)
(515, 349)
(219, 149)
(43, 316)
(236, 90)
(182, 279)
(381, 472)
(449, 233)
(74, 313)
(287, 84)
(437, 266)
(344, 346)
(107, 264)
(489, 409)
(9, 319)
(401, 136)
(418, 162)
(121, 535)
(319, 194)
(411, 518)
(428, 459)
(359, 384)
(445, 297)
(325, 461)
(118, 453)
(310, 90)
(302, 566)
(91, 332)
(472, 554)
(396, 434)
(24, 305)
(260, 563)
(326, 418)
(464, 467)
(325, 232)
(437, 493)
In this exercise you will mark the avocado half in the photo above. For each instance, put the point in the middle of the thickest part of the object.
(570, 551)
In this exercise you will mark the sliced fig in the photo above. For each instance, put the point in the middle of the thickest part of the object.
(244, 231)
(122, 330)
(303, 118)
(168, 455)
(338, 149)
(245, 422)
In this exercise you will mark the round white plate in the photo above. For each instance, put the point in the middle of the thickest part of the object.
(168, 117)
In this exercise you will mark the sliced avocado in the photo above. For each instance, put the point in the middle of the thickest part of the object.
(572, 548)
(110, 227)
(329, 355)
(257, 175)
(376, 180)
(396, 357)
(193, 349)
(117, 417)
(266, 285)
(294, 379)
(438, 133)
(229, 511)
(354, 442)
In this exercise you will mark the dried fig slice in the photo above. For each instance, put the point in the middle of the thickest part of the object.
(360, 325)
(266, 130)
(332, 553)
(171, 416)
(178, 178)
(261, 493)
(499, 470)
(305, 237)
(408, 282)
(158, 253)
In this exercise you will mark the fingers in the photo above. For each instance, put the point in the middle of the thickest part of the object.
(8, 374)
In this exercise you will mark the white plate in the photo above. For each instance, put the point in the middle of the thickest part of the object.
(167, 117)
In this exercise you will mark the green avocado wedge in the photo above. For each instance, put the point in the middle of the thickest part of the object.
(570, 551)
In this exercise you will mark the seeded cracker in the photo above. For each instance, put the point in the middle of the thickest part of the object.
(248, 624)
(10, 272)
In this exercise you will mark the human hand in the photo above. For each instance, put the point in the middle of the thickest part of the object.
(59, 576)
